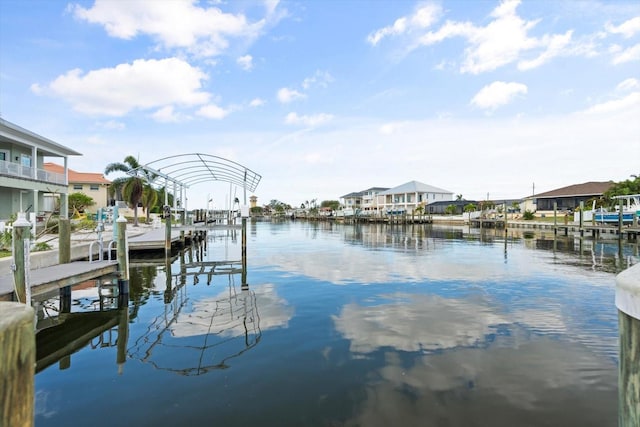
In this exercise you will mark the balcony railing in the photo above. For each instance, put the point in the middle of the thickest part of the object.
(19, 171)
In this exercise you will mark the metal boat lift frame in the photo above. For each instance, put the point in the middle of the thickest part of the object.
(185, 170)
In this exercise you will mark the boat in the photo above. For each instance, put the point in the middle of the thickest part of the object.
(630, 210)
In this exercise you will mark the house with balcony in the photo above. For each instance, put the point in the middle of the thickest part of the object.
(365, 202)
(92, 184)
(24, 182)
(407, 197)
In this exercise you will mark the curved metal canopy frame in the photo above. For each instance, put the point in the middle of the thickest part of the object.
(186, 170)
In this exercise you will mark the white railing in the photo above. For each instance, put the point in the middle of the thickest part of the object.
(17, 170)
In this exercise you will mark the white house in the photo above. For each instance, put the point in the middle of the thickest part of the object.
(407, 197)
(23, 179)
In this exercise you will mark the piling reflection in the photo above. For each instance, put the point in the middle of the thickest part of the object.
(90, 315)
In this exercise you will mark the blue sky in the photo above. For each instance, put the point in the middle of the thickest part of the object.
(323, 98)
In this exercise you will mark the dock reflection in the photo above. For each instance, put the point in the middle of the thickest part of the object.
(201, 333)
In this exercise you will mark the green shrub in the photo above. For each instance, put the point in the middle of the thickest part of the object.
(528, 215)
(42, 246)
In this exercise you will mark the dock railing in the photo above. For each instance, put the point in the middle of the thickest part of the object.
(628, 304)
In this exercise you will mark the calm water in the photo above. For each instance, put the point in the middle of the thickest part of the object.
(345, 326)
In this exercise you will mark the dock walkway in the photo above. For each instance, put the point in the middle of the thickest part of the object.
(54, 277)
(47, 275)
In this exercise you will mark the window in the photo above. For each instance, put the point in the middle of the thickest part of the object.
(77, 186)
(4, 155)
(94, 187)
(25, 160)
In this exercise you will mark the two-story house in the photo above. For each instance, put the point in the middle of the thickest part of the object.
(23, 179)
(407, 197)
(94, 185)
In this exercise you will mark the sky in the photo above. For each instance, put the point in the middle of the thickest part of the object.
(487, 99)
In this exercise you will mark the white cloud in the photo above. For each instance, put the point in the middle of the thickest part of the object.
(556, 45)
(286, 95)
(629, 102)
(213, 111)
(625, 55)
(245, 62)
(504, 40)
(311, 121)
(173, 24)
(391, 128)
(627, 29)
(166, 115)
(112, 125)
(257, 102)
(628, 84)
(143, 84)
(497, 94)
(423, 17)
(320, 78)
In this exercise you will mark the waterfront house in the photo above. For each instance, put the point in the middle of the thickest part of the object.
(568, 198)
(94, 185)
(407, 197)
(366, 202)
(23, 180)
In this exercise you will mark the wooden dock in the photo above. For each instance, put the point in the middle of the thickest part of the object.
(47, 279)
(54, 277)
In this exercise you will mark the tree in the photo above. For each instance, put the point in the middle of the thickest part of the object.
(149, 199)
(470, 207)
(450, 210)
(79, 201)
(132, 187)
(459, 197)
(331, 204)
(623, 188)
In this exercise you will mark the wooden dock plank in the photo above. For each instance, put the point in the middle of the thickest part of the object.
(46, 279)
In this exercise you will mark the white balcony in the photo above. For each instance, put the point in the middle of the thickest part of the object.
(18, 171)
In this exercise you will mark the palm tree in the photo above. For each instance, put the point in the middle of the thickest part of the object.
(131, 187)
(149, 199)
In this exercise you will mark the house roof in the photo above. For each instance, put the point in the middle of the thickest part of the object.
(77, 177)
(378, 190)
(13, 133)
(592, 188)
(415, 187)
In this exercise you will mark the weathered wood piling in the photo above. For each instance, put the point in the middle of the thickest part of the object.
(628, 303)
(17, 364)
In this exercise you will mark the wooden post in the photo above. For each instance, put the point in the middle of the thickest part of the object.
(21, 244)
(628, 304)
(17, 364)
(620, 218)
(555, 217)
(581, 219)
(64, 241)
(123, 262)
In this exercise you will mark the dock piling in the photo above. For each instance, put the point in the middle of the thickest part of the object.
(628, 304)
(21, 250)
(17, 364)
(123, 261)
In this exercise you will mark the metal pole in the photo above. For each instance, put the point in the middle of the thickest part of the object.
(123, 261)
(167, 230)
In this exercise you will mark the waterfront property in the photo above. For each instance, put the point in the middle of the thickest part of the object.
(402, 199)
(332, 324)
(93, 184)
(24, 182)
(566, 198)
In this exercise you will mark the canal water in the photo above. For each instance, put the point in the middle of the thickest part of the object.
(343, 325)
